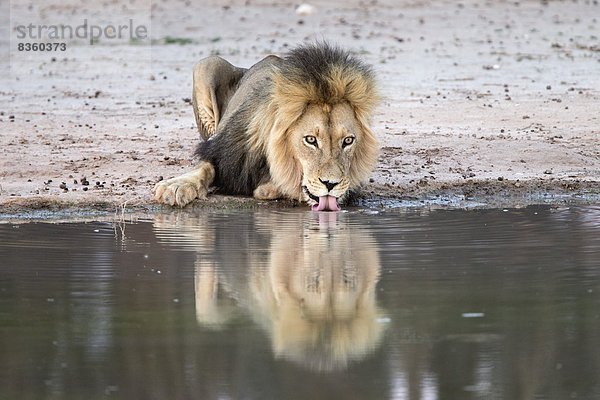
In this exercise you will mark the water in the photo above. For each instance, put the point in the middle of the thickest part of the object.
(480, 304)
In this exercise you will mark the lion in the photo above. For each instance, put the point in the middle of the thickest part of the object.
(296, 127)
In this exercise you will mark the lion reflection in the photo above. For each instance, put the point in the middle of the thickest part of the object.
(312, 288)
(317, 295)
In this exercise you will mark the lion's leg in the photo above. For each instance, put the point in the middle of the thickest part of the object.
(267, 191)
(215, 81)
(206, 283)
(181, 190)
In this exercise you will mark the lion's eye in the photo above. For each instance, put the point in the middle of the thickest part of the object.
(311, 140)
(348, 141)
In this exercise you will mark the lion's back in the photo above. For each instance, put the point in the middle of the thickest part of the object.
(253, 91)
(239, 169)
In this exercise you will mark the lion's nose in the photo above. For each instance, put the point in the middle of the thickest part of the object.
(328, 184)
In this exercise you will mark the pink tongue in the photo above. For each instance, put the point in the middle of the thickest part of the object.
(326, 203)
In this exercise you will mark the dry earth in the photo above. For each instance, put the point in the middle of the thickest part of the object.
(491, 100)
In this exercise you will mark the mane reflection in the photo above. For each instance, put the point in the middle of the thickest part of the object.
(308, 279)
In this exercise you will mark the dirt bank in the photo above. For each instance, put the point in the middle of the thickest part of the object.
(489, 101)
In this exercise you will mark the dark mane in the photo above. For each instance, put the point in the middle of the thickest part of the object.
(237, 169)
(313, 64)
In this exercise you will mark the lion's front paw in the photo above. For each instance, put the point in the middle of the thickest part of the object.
(267, 191)
(178, 192)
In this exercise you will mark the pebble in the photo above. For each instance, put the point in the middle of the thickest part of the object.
(305, 9)
(473, 315)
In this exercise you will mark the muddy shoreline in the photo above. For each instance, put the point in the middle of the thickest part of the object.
(484, 104)
(472, 195)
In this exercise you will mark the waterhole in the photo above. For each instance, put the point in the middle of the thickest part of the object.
(476, 304)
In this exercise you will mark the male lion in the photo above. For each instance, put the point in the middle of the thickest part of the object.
(295, 127)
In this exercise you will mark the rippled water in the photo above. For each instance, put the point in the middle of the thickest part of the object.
(480, 304)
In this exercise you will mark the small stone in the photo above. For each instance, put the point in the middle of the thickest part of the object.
(305, 9)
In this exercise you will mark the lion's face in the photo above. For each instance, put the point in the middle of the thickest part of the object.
(318, 141)
(325, 141)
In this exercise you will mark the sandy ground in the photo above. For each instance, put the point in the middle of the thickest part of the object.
(481, 99)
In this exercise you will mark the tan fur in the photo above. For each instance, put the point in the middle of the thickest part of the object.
(312, 287)
(287, 110)
(320, 305)
(183, 189)
(267, 191)
(213, 81)
(276, 122)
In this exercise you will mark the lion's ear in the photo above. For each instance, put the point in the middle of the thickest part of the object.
(215, 81)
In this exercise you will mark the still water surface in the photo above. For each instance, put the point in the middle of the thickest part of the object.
(479, 304)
